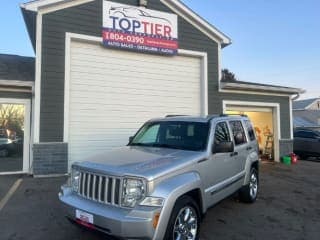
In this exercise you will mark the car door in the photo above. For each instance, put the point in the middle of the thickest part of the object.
(219, 166)
(315, 144)
(309, 143)
(306, 143)
(240, 146)
(252, 146)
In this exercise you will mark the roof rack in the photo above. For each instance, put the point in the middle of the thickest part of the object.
(168, 116)
(233, 114)
(212, 116)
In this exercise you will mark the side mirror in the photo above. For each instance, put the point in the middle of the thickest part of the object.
(223, 147)
(130, 139)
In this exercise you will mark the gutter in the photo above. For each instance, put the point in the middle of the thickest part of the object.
(268, 88)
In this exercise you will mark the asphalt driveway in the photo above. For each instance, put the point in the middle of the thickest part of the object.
(288, 207)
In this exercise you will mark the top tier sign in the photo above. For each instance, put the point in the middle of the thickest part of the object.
(140, 29)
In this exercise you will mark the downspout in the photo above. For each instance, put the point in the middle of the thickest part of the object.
(295, 97)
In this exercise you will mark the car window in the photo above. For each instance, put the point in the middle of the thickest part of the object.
(150, 135)
(221, 133)
(173, 134)
(238, 132)
(250, 130)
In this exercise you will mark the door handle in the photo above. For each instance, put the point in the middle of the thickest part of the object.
(233, 154)
(249, 148)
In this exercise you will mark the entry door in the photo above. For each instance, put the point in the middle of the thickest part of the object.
(14, 135)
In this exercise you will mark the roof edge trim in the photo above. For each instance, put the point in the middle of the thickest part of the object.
(268, 88)
(175, 5)
(196, 20)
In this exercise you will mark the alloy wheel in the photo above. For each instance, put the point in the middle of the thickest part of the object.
(186, 224)
(253, 185)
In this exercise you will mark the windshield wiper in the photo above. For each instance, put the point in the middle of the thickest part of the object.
(138, 144)
(164, 145)
(161, 145)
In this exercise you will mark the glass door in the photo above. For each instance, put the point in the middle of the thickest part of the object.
(14, 136)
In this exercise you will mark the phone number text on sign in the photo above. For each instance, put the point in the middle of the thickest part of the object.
(139, 42)
(123, 37)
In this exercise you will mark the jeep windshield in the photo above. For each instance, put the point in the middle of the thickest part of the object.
(191, 136)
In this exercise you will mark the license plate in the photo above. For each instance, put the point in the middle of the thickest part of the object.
(84, 216)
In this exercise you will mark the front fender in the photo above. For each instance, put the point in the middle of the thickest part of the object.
(171, 189)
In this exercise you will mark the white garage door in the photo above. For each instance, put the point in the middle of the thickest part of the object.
(112, 93)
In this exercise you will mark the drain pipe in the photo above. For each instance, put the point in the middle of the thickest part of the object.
(295, 97)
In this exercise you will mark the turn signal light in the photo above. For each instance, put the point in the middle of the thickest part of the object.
(156, 220)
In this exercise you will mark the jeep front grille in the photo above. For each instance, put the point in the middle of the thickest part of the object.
(100, 188)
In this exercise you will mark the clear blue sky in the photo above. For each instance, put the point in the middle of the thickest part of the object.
(274, 41)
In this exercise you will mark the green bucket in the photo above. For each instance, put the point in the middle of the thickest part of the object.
(286, 160)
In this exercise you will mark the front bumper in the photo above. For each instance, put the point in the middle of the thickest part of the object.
(125, 223)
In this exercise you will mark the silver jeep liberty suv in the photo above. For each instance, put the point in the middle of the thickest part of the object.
(161, 184)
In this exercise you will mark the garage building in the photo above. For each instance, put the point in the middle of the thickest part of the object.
(103, 68)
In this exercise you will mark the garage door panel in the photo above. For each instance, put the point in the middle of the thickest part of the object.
(97, 52)
(112, 93)
(134, 71)
(124, 79)
(161, 112)
(155, 79)
(138, 106)
(137, 90)
(81, 96)
(129, 65)
(80, 60)
(132, 107)
(158, 101)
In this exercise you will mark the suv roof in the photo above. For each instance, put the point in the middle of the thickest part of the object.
(204, 119)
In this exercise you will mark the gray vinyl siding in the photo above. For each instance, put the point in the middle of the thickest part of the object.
(87, 19)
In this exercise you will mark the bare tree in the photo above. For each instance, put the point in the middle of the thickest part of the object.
(12, 117)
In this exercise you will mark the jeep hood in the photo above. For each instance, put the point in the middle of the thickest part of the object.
(147, 162)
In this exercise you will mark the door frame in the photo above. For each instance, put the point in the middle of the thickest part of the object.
(27, 132)
(275, 116)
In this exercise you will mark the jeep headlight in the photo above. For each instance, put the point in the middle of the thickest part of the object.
(75, 179)
(134, 190)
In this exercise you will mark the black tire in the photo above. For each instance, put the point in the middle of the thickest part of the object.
(179, 209)
(303, 156)
(249, 192)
